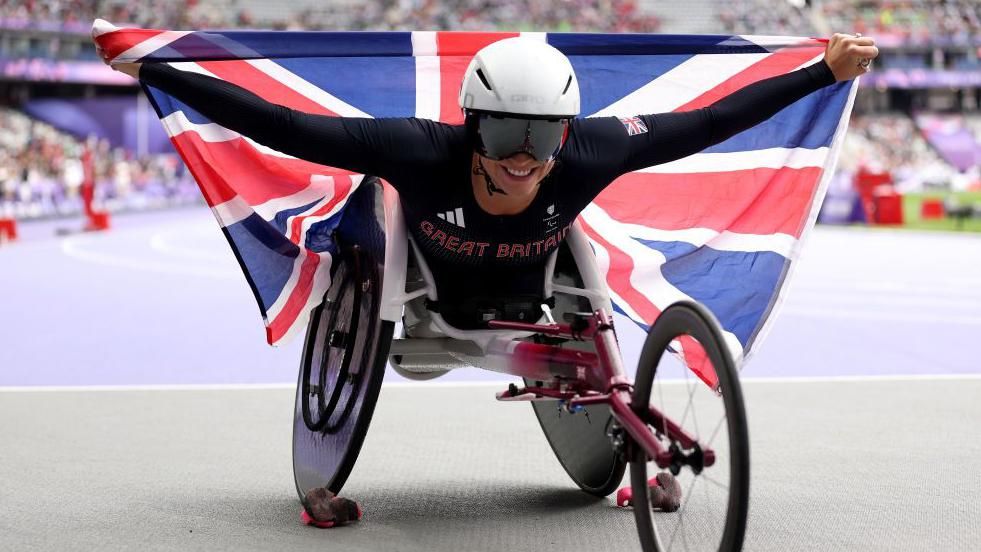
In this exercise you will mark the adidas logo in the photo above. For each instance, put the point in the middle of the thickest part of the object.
(453, 217)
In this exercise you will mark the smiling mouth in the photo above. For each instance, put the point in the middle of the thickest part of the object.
(517, 173)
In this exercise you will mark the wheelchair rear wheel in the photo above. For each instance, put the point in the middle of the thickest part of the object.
(343, 365)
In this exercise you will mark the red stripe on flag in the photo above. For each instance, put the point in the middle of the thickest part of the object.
(449, 43)
(278, 327)
(753, 201)
(456, 49)
(618, 277)
(117, 42)
(342, 187)
(247, 76)
(226, 169)
(697, 360)
(775, 64)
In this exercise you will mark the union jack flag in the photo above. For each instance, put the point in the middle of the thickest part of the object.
(634, 125)
(722, 227)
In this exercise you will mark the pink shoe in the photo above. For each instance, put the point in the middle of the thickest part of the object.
(321, 508)
(665, 493)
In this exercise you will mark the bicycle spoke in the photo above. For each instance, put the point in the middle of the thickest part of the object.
(681, 512)
(691, 391)
(714, 482)
(715, 432)
(664, 410)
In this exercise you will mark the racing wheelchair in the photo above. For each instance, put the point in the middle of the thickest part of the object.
(682, 414)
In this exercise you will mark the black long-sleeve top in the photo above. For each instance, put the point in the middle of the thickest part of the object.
(429, 163)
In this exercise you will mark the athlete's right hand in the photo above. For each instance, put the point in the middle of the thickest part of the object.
(131, 69)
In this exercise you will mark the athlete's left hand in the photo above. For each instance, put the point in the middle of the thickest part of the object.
(850, 56)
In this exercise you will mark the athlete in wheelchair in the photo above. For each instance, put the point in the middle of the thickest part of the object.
(498, 275)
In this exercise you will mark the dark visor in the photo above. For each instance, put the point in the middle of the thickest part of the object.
(500, 137)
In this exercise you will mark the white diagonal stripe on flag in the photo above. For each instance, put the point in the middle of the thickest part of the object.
(680, 85)
(646, 276)
(321, 281)
(192, 67)
(305, 88)
(320, 187)
(311, 220)
(177, 123)
(284, 294)
(232, 211)
(775, 41)
(149, 46)
(779, 243)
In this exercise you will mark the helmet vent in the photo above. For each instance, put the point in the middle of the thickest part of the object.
(483, 79)
(567, 85)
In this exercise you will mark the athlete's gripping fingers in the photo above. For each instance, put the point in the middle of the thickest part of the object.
(850, 56)
(131, 69)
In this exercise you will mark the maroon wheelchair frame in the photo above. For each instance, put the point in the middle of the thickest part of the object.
(580, 378)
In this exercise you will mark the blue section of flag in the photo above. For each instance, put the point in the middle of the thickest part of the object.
(619, 309)
(320, 237)
(266, 256)
(167, 105)
(671, 250)
(736, 286)
(572, 44)
(810, 122)
(381, 87)
(281, 218)
(204, 46)
(604, 80)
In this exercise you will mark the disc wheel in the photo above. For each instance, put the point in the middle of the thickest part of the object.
(341, 372)
(704, 398)
(582, 446)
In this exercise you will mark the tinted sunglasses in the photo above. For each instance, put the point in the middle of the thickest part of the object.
(500, 136)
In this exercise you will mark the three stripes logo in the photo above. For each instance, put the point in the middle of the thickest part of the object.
(453, 217)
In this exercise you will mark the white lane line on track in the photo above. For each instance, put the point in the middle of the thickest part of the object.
(897, 299)
(452, 384)
(159, 242)
(74, 247)
(887, 316)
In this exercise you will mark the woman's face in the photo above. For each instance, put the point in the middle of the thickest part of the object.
(517, 176)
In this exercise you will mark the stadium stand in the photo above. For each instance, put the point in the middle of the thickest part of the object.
(39, 165)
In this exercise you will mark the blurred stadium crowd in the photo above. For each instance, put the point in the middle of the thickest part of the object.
(569, 15)
(42, 171)
(40, 166)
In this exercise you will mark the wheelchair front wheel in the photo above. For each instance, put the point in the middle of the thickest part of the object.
(709, 407)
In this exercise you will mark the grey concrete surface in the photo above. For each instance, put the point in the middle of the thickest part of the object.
(877, 465)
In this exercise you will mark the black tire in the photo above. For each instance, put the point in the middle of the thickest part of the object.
(693, 320)
(341, 372)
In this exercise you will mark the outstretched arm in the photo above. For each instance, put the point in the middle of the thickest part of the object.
(370, 146)
(671, 136)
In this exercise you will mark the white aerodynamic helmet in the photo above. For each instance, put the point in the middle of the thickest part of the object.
(523, 77)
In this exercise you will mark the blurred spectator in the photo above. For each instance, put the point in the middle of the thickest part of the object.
(562, 15)
(893, 143)
(41, 173)
(766, 17)
(906, 22)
